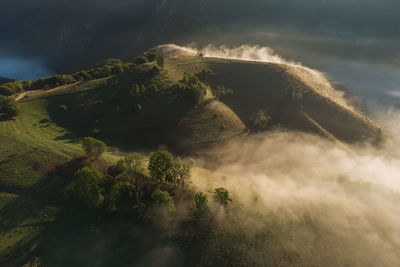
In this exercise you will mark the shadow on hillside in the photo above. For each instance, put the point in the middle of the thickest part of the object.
(4, 117)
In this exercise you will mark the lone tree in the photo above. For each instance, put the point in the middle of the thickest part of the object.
(93, 148)
(221, 195)
(8, 106)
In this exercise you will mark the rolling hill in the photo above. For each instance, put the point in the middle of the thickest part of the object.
(46, 135)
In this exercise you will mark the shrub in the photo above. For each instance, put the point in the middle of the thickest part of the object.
(93, 148)
(221, 195)
(8, 106)
(164, 200)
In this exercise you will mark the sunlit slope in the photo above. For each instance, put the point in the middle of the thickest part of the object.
(292, 96)
(287, 93)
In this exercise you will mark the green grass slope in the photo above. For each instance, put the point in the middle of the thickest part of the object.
(33, 220)
(269, 87)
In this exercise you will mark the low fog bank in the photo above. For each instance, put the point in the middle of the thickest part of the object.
(324, 203)
(19, 68)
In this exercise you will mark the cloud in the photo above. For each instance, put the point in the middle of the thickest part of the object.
(328, 203)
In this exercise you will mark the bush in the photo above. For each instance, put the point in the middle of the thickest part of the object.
(221, 195)
(8, 106)
(164, 200)
(93, 148)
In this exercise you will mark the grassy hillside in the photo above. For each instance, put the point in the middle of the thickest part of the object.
(35, 222)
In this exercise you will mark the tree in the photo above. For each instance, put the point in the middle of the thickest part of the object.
(179, 173)
(110, 193)
(152, 90)
(221, 91)
(164, 200)
(87, 187)
(135, 90)
(190, 89)
(200, 205)
(8, 106)
(164, 168)
(141, 60)
(160, 61)
(160, 165)
(260, 121)
(130, 199)
(133, 163)
(93, 148)
(221, 195)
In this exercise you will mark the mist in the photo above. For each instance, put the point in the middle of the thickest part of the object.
(327, 203)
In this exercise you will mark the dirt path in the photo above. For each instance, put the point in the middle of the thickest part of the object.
(26, 93)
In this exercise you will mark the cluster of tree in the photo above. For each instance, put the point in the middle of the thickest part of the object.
(8, 106)
(142, 90)
(110, 67)
(259, 122)
(127, 189)
(150, 57)
(190, 90)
